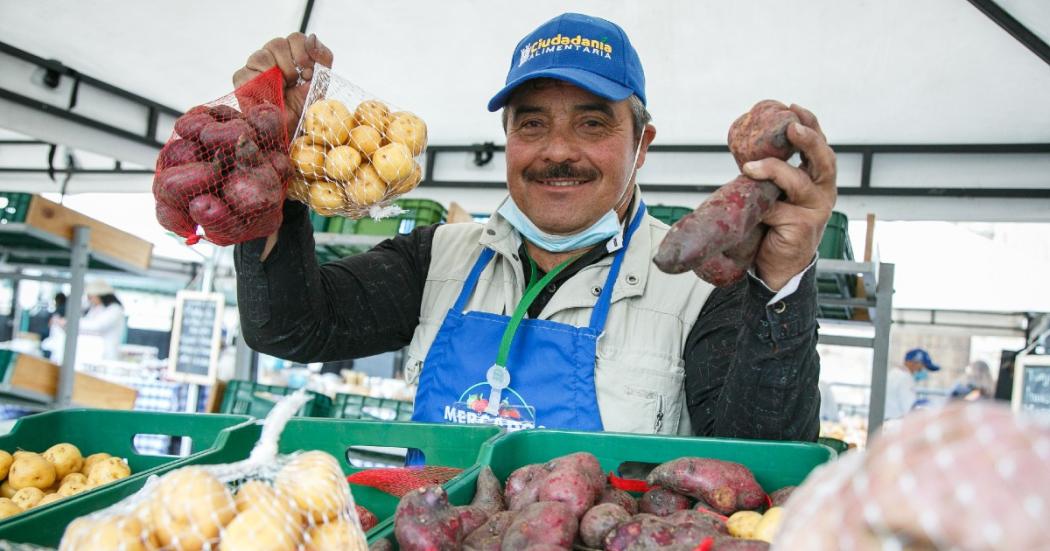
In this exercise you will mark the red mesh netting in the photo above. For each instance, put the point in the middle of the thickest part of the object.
(398, 482)
(226, 166)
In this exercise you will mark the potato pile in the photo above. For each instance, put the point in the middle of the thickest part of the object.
(305, 507)
(348, 161)
(36, 479)
(567, 503)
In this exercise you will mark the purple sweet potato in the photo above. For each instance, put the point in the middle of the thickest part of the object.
(571, 487)
(619, 497)
(246, 153)
(546, 547)
(575, 479)
(599, 521)
(223, 113)
(281, 165)
(489, 536)
(728, 267)
(488, 494)
(728, 487)
(713, 522)
(645, 532)
(780, 497)
(734, 544)
(470, 518)
(254, 191)
(178, 184)
(179, 152)
(209, 210)
(543, 522)
(424, 521)
(762, 133)
(268, 123)
(720, 224)
(175, 219)
(189, 126)
(224, 135)
(662, 502)
(523, 485)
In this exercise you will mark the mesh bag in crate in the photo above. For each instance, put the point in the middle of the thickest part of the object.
(354, 153)
(265, 503)
(226, 166)
(968, 477)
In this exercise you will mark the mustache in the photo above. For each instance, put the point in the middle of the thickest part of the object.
(562, 171)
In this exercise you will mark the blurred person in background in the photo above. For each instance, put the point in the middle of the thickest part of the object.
(901, 381)
(975, 384)
(101, 329)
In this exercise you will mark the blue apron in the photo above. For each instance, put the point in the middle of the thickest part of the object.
(544, 376)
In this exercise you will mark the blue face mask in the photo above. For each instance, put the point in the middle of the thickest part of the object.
(607, 227)
(921, 375)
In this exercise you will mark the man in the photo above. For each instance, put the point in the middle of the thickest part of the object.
(900, 382)
(553, 314)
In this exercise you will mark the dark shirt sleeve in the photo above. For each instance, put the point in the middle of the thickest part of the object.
(365, 304)
(751, 370)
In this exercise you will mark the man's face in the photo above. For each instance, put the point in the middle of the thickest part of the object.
(570, 154)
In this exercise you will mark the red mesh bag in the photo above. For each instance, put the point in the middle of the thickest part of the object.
(399, 481)
(226, 167)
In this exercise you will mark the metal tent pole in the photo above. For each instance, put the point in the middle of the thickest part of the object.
(880, 360)
(78, 265)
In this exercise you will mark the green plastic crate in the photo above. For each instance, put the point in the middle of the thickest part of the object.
(112, 432)
(839, 446)
(835, 245)
(256, 399)
(443, 444)
(418, 212)
(356, 406)
(13, 207)
(775, 464)
(668, 214)
(319, 222)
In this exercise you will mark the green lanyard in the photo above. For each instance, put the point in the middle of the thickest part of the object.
(532, 291)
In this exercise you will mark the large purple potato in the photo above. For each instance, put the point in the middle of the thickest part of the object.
(599, 521)
(488, 494)
(662, 502)
(726, 486)
(543, 522)
(762, 133)
(424, 521)
(489, 536)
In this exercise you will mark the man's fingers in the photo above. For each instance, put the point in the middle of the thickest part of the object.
(302, 60)
(260, 61)
(819, 159)
(318, 51)
(282, 54)
(806, 116)
(243, 75)
(793, 181)
(781, 214)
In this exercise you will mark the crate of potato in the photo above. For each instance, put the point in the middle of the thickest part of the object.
(60, 461)
(354, 153)
(608, 491)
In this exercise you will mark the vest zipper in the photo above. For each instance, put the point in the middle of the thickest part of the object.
(659, 413)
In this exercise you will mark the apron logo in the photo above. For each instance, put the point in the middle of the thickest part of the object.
(474, 408)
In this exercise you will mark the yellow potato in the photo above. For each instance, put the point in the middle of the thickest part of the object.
(50, 498)
(393, 163)
(326, 197)
(190, 506)
(410, 183)
(767, 528)
(374, 113)
(341, 162)
(5, 463)
(299, 189)
(308, 158)
(261, 529)
(366, 139)
(337, 535)
(31, 470)
(66, 458)
(409, 130)
(367, 187)
(104, 534)
(21, 453)
(92, 460)
(27, 498)
(316, 483)
(6, 491)
(741, 524)
(73, 486)
(328, 122)
(8, 508)
(108, 470)
(79, 477)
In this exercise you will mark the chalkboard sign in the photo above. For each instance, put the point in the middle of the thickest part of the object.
(1032, 384)
(195, 337)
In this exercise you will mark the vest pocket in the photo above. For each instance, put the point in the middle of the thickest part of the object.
(413, 367)
(639, 399)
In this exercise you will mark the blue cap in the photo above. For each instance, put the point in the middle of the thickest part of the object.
(923, 357)
(585, 51)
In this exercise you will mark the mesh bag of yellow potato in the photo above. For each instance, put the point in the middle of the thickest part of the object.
(269, 502)
(354, 154)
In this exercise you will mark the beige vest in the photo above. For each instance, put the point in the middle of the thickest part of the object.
(639, 371)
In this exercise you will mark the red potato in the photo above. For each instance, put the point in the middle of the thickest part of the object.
(523, 485)
(575, 479)
(599, 521)
(762, 133)
(217, 136)
(714, 522)
(546, 547)
(268, 123)
(178, 184)
(471, 517)
(246, 153)
(662, 502)
(728, 267)
(179, 152)
(543, 522)
(728, 487)
(208, 210)
(368, 518)
(649, 532)
(175, 219)
(780, 497)
(189, 126)
(734, 544)
(619, 497)
(223, 113)
(424, 521)
(571, 487)
(489, 536)
(253, 192)
(488, 494)
(281, 165)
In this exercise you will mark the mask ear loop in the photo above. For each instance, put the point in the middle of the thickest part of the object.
(627, 185)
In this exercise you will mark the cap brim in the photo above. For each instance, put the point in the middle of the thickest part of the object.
(933, 367)
(595, 84)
